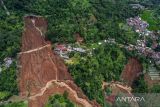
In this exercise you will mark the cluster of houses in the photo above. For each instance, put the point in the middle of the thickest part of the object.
(155, 56)
(140, 27)
(138, 24)
(63, 50)
(144, 50)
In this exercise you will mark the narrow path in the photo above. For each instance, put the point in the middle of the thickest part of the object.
(53, 65)
(128, 89)
(33, 21)
(36, 49)
(82, 101)
(62, 84)
(43, 89)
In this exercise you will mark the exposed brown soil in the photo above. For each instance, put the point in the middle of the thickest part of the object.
(131, 71)
(42, 72)
(53, 87)
(117, 89)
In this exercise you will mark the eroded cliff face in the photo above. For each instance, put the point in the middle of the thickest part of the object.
(131, 71)
(42, 72)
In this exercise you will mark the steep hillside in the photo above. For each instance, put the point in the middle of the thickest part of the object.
(132, 71)
(42, 72)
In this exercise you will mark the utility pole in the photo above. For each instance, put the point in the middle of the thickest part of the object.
(5, 8)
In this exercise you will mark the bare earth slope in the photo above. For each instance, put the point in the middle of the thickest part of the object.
(132, 71)
(43, 73)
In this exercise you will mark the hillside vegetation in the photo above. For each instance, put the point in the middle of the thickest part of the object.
(94, 20)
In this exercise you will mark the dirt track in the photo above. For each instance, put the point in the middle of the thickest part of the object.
(36, 49)
(42, 72)
(83, 102)
(120, 86)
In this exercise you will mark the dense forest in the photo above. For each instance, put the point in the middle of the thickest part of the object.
(94, 20)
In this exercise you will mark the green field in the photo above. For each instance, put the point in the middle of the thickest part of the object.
(148, 16)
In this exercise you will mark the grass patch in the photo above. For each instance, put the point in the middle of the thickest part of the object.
(4, 95)
(148, 16)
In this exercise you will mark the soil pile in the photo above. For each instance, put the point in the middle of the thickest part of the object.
(42, 72)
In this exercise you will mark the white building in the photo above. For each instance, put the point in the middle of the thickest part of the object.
(8, 61)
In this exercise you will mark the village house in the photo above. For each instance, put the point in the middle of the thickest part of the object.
(81, 50)
(7, 62)
(63, 50)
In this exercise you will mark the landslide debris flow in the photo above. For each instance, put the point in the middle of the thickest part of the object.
(132, 71)
(42, 72)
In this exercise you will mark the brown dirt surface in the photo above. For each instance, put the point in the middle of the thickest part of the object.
(60, 87)
(42, 72)
(131, 71)
(117, 89)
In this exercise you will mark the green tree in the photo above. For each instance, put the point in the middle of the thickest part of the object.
(59, 101)
(140, 86)
(8, 80)
(155, 89)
